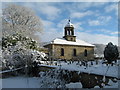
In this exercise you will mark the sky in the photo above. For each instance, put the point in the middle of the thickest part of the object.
(94, 22)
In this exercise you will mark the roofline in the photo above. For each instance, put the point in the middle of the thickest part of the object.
(68, 45)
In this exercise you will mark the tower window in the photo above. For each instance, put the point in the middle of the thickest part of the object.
(72, 32)
(85, 53)
(62, 52)
(74, 52)
(67, 32)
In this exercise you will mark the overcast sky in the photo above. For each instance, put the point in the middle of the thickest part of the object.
(94, 22)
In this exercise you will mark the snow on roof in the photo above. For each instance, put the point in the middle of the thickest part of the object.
(65, 42)
(69, 24)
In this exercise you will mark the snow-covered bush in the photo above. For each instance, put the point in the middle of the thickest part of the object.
(56, 78)
(38, 56)
(19, 51)
(20, 58)
(16, 39)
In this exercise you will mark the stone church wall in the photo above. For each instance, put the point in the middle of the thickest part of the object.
(55, 52)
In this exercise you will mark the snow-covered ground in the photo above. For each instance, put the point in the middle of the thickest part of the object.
(112, 84)
(95, 69)
(35, 82)
(99, 69)
(21, 82)
(74, 85)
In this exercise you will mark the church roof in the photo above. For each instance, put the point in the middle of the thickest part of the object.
(65, 42)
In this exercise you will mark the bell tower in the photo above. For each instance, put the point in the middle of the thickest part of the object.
(69, 32)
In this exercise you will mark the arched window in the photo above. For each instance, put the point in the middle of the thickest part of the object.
(70, 32)
(85, 53)
(67, 32)
(62, 52)
(74, 52)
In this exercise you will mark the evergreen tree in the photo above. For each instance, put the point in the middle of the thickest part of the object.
(111, 52)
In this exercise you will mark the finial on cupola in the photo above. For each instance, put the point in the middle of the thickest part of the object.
(69, 20)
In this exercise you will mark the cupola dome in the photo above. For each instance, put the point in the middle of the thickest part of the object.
(69, 24)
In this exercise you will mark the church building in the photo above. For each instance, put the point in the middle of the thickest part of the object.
(70, 48)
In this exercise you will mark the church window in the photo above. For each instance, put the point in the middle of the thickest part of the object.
(85, 53)
(62, 52)
(74, 52)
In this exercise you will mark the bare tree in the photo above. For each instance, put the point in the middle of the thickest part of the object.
(19, 19)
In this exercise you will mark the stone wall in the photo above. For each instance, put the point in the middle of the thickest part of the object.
(55, 52)
(70, 38)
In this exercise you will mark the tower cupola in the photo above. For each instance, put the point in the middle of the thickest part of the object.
(69, 32)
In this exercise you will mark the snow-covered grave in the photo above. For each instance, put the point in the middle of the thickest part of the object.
(98, 69)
